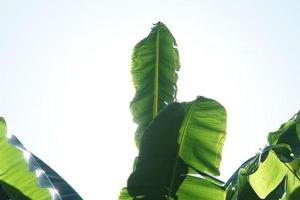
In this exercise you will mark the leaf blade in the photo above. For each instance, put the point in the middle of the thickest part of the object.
(203, 133)
(15, 173)
(155, 62)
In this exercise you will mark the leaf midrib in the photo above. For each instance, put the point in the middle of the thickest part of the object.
(155, 96)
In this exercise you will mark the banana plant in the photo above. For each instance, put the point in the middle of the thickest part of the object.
(180, 143)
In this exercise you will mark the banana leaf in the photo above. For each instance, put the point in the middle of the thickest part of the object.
(48, 178)
(261, 177)
(36, 176)
(17, 181)
(200, 188)
(65, 191)
(183, 135)
(268, 176)
(202, 135)
(288, 133)
(293, 186)
(155, 61)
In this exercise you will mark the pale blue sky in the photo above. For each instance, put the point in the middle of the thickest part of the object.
(65, 77)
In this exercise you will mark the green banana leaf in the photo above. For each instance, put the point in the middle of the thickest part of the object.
(261, 177)
(48, 178)
(6, 189)
(268, 176)
(244, 191)
(202, 135)
(200, 188)
(46, 185)
(17, 181)
(157, 159)
(288, 133)
(124, 194)
(176, 140)
(238, 187)
(155, 61)
(65, 191)
(181, 136)
(293, 180)
(293, 186)
(284, 152)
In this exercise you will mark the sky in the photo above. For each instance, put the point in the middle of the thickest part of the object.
(65, 83)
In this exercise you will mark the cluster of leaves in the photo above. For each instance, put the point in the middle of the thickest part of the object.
(23, 176)
(180, 144)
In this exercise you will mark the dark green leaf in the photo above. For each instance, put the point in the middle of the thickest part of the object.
(158, 156)
(13, 192)
(288, 133)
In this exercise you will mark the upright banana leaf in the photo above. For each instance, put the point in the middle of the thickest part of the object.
(155, 61)
(17, 181)
(183, 136)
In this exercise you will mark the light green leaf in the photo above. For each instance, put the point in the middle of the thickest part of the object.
(293, 186)
(202, 135)
(268, 176)
(255, 179)
(155, 61)
(124, 194)
(199, 188)
(16, 179)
